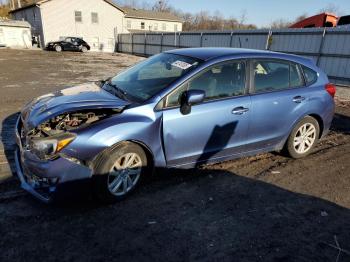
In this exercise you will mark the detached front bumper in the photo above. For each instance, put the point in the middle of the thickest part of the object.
(43, 178)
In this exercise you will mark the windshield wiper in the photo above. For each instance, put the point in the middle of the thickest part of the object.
(117, 90)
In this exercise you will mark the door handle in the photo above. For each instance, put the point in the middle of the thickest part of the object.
(240, 110)
(298, 99)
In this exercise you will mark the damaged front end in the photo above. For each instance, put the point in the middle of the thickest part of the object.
(50, 137)
(40, 164)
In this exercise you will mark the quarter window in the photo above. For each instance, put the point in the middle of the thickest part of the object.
(94, 18)
(220, 81)
(310, 75)
(78, 16)
(275, 75)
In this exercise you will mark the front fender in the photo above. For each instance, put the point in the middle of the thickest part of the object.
(128, 126)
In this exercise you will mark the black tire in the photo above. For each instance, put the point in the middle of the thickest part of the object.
(290, 147)
(58, 48)
(83, 49)
(102, 168)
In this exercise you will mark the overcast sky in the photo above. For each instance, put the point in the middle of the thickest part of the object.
(260, 12)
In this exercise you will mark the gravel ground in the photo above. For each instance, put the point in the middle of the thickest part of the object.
(262, 208)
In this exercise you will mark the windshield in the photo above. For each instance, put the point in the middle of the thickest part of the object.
(147, 78)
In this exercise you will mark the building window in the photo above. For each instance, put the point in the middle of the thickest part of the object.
(175, 27)
(128, 24)
(142, 25)
(78, 17)
(164, 26)
(94, 18)
(156, 27)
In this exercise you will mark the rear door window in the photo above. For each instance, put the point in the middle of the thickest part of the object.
(274, 75)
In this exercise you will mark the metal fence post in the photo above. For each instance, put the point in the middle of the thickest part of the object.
(231, 39)
(269, 37)
(179, 42)
(201, 40)
(132, 44)
(161, 43)
(144, 45)
(321, 47)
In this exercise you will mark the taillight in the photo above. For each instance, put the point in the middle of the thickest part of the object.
(331, 89)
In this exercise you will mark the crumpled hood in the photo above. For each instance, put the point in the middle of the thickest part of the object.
(86, 96)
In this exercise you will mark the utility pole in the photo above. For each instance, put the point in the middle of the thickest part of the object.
(12, 4)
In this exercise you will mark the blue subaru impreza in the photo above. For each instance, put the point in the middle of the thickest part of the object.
(180, 108)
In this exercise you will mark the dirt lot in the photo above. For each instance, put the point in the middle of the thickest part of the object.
(262, 208)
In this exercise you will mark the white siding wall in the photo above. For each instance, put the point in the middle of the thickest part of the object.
(33, 17)
(15, 36)
(59, 21)
(151, 24)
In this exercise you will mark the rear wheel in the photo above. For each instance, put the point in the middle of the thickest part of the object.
(119, 171)
(303, 138)
(58, 48)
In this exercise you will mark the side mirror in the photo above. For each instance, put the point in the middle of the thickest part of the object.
(190, 98)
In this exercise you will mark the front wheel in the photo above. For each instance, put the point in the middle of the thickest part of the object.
(303, 138)
(118, 171)
(58, 48)
(84, 49)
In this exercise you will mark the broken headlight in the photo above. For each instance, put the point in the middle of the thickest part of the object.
(49, 146)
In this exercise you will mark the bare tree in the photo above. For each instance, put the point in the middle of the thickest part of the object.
(281, 23)
(242, 18)
(162, 6)
(330, 8)
(300, 18)
(191, 22)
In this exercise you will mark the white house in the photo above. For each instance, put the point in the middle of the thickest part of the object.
(137, 20)
(15, 34)
(96, 21)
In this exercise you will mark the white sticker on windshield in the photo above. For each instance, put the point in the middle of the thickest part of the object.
(181, 64)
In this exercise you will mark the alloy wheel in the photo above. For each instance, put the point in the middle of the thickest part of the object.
(304, 138)
(124, 174)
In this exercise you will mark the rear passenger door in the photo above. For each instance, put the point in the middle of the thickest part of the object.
(278, 96)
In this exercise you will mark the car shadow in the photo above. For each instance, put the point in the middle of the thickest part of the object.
(341, 124)
(7, 135)
(183, 215)
(217, 142)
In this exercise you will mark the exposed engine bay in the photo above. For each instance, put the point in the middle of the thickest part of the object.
(70, 121)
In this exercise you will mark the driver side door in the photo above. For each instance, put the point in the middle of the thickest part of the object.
(215, 128)
(67, 44)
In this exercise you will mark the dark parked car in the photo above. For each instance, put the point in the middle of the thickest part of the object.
(177, 109)
(69, 44)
